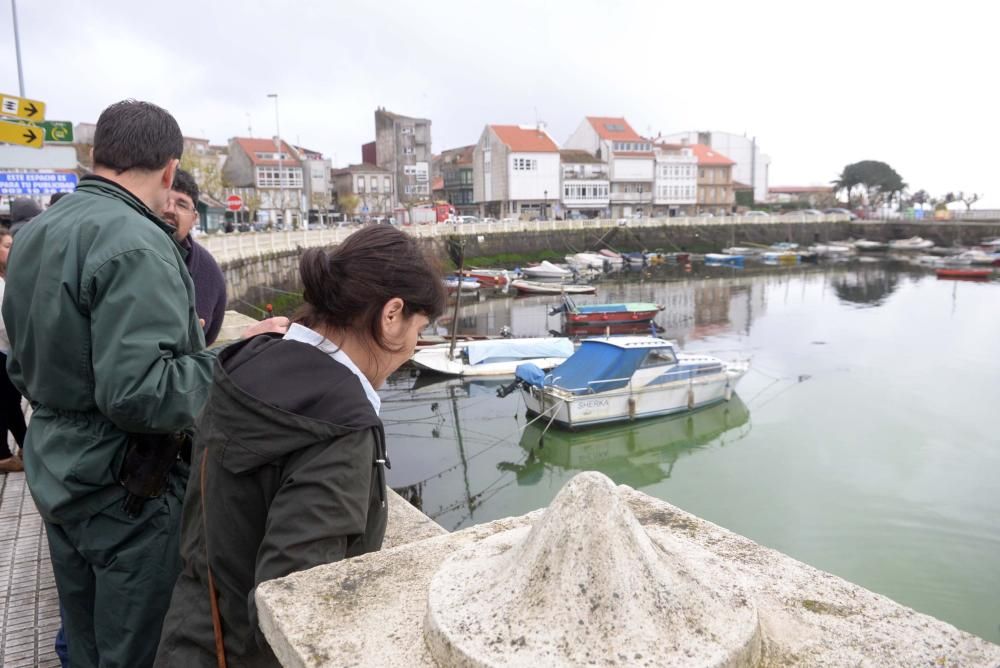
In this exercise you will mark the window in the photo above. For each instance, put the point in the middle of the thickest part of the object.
(270, 177)
(525, 164)
(373, 183)
(361, 184)
(408, 150)
(659, 357)
(614, 127)
(407, 130)
(386, 184)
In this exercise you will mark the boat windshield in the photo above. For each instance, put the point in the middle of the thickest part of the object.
(659, 357)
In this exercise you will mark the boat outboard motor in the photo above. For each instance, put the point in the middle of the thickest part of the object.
(504, 390)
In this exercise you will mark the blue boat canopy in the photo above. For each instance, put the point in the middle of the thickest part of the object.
(599, 365)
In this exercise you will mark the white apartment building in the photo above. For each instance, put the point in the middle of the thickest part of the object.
(630, 160)
(585, 185)
(751, 165)
(675, 185)
(516, 172)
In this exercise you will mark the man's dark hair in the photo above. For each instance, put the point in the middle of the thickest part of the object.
(55, 197)
(185, 183)
(136, 135)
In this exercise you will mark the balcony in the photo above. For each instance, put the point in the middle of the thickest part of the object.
(632, 198)
(581, 176)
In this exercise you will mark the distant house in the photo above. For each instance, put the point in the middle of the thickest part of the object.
(585, 185)
(455, 166)
(403, 148)
(270, 178)
(516, 172)
(750, 165)
(675, 186)
(630, 160)
(372, 186)
(715, 181)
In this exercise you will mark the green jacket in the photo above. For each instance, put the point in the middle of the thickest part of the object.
(105, 340)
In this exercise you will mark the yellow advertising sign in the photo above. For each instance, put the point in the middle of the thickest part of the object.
(25, 135)
(20, 107)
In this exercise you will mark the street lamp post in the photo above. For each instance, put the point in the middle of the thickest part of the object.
(277, 146)
(545, 208)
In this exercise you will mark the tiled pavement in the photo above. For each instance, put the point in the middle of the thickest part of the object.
(29, 606)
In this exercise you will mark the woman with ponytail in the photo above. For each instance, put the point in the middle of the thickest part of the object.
(289, 457)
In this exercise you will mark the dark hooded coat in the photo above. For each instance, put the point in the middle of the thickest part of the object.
(293, 479)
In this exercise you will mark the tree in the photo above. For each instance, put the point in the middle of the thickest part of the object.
(252, 203)
(348, 203)
(968, 199)
(880, 182)
(206, 173)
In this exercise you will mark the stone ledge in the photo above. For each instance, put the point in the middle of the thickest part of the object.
(370, 610)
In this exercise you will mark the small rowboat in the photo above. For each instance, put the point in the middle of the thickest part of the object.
(597, 314)
(968, 274)
(538, 288)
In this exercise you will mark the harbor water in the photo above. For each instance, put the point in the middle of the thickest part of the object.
(864, 440)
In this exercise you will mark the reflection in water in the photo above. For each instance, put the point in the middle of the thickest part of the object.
(636, 454)
(868, 286)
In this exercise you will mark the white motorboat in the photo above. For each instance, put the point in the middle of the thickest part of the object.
(826, 250)
(866, 246)
(621, 378)
(494, 357)
(741, 250)
(537, 288)
(587, 260)
(464, 286)
(546, 269)
(911, 244)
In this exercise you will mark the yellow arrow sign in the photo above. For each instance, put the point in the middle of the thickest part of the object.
(25, 135)
(20, 107)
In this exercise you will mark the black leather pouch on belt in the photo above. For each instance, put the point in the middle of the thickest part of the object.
(146, 468)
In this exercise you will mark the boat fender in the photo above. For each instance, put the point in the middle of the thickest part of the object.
(691, 398)
(729, 392)
(631, 408)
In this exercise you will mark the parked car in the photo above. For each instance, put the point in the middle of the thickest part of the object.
(467, 220)
(756, 214)
(803, 213)
(844, 212)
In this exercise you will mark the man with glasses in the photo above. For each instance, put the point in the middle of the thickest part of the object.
(181, 213)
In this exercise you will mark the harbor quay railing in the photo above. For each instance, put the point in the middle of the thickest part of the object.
(239, 245)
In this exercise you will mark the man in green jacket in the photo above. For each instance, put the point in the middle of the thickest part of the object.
(106, 344)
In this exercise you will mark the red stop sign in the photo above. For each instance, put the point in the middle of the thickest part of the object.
(234, 202)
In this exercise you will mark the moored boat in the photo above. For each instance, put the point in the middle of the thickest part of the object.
(911, 244)
(587, 260)
(724, 258)
(967, 274)
(866, 246)
(625, 378)
(546, 269)
(538, 288)
(494, 357)
(491, 277)
(465, 286)
(633, 312)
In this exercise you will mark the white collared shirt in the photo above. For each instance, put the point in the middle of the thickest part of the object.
(305, 335)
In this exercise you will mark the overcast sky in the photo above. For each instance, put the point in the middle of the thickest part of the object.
(820, 84)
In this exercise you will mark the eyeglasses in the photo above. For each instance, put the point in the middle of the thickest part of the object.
(182, 205)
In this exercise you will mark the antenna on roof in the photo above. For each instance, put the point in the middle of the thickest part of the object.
(249, 128)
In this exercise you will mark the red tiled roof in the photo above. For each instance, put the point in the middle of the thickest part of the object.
(438, 183)
(458, 156)
(525, 140)
(708, 156)
(253, 146)
(614, 129)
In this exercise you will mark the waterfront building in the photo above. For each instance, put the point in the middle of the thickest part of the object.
(585, 185)
(516, 172)
(675, 182)
(370, 184)
(750, 166)
(630, 161)
(317, 181)
(455, 169)
(403, 148)
(715, 181)
(267, 174)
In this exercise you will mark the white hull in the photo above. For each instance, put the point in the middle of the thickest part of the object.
(552, 288)
(631, 402)
(546, 270)
(911, 244)
(587, 260)
(435, 358)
